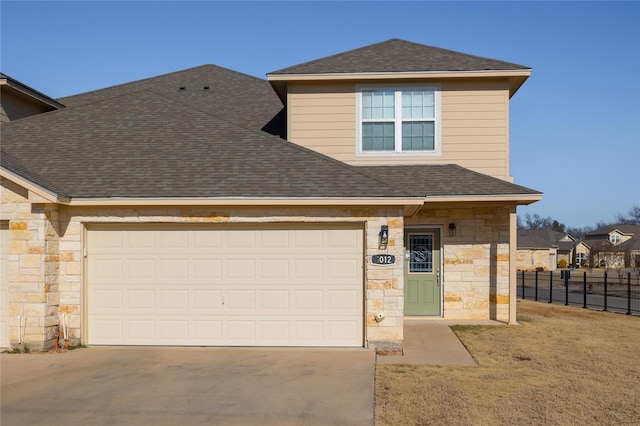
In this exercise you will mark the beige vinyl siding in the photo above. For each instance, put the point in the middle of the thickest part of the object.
(474, 124)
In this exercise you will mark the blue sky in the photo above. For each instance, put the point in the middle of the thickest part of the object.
(575, 124)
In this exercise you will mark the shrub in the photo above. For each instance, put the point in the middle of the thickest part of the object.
(562, 263)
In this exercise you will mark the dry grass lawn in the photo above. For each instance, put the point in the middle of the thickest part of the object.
(562, 366)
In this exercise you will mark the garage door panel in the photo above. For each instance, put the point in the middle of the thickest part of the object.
(207, 332)
(140, 269)
(341, 300)
(240, 301)
(106, 299)
(342, 269)
(241, 331)
(275, 332)
(108, 331)
(270, 269)
(108, 269)
(207, 300)
(273, 300)
(202, 285)
(176, 331)
(240, 268)
(140, 300)
(240, 239)
(141, 330)
(141, 239)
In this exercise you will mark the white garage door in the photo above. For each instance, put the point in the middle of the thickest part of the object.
(4, 285)
(225, 286)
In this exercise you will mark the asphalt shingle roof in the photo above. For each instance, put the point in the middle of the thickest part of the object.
(236, 97)
(397, 55)
(441, 180)
(202, 132)
(143, 144)
(543, 238)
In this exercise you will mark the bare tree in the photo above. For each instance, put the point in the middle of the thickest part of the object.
(632, 217)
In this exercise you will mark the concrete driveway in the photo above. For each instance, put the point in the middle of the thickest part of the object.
(173, 386)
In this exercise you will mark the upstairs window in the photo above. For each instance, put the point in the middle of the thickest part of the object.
(398, 120)
(614, 238)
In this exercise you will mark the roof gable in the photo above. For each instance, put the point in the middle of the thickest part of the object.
(396, 56)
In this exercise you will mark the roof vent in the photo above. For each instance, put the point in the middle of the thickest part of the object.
(205, 88)
(182, 88)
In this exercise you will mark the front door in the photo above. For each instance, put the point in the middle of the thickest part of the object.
(422, 272)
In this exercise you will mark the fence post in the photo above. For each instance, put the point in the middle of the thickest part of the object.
(536, 297)
(605, 291)
(566, 289)
(628, 293)
(584, 291)
(550, 286)
(523, 285)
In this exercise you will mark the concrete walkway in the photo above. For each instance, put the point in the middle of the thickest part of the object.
(431, 341)
(188, 386)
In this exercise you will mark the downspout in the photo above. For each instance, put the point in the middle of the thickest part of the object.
(19, 329)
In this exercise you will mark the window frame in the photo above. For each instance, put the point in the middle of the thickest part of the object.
(398, 89)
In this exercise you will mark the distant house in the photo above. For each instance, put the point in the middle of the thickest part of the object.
(19, 100)
(614, 246)
(318, 207)
(542, 249)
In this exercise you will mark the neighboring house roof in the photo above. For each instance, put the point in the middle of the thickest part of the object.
(632, 244)
(444, 180)
(397, 55)
(543, 238)
(12, 83)
(606, 230)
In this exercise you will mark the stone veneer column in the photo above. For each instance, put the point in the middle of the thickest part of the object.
(33, 277)
(384, 286)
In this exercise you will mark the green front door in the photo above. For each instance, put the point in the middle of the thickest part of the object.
(422, 272)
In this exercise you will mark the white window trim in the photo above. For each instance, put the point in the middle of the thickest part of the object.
(398, 88)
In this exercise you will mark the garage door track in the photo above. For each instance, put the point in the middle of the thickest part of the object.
(196, 386)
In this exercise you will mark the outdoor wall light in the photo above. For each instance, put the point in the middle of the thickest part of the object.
(384, 235)
(452, 229)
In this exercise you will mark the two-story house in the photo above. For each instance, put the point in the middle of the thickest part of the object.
(614, 246)
(318, 207)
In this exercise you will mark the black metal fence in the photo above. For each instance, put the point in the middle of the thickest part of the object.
(607, 292)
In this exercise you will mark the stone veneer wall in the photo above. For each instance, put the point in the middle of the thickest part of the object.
(475, 261)
(46, 259)
(540, 259)
(32, 268)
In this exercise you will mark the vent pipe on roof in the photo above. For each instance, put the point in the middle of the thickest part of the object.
(182, 88)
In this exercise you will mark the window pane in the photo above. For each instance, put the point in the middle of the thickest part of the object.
(418, 104)
(377, 136)
(421, 253)
(418, 136)
(377, 104)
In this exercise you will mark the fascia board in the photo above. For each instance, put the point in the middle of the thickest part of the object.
(37, 194)
(418, 201)
(522, 199)
(396, 75)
